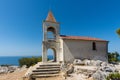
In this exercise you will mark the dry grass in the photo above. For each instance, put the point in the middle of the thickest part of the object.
(19, 76)
(13, 76)
(50, 78)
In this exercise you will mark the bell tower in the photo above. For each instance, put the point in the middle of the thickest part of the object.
(50, 37)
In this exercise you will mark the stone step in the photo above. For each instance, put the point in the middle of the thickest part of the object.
(45, 75)
(49, 65)
(48, 69)
(43, 67)
(46, 63)
(48, 72)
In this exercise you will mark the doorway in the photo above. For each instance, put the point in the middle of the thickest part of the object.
(51, 55)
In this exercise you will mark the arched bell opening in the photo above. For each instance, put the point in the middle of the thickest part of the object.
(51, 33)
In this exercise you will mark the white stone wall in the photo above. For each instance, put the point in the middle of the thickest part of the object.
(46, 25)
(50, 44)
(80, 49)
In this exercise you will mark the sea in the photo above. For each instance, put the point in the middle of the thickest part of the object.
(13, 60)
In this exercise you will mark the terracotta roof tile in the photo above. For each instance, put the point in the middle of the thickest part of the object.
(81, 38)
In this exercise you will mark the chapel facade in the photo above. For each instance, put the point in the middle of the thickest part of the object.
(68, 48)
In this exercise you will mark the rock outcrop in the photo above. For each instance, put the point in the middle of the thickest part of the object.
(10, 69)
(92, 70)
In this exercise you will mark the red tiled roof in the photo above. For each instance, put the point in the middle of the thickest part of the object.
(81, 38)
(50, 17)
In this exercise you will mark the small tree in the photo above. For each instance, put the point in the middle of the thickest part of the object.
(29, 61)
(113, 57)
(118, 31)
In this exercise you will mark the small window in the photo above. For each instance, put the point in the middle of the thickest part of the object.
(94, 46)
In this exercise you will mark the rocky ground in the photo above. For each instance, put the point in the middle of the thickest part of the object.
(13, 76)
(78, 70)
(12, 72)
(85, 70)
(91, 70)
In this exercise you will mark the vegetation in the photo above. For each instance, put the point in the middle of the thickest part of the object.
(113, 76)
(118, 31)
(5, 65)
(29, 61)
(113, 57)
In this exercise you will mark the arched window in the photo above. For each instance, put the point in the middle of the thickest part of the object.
(51, 33)
(51, 54)
(94, 46)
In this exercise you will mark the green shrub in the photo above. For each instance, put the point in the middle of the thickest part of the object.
(29, 61)
(5, 65)
(113, 57)
(113, 76)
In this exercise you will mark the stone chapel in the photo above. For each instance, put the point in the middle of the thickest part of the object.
(68, 48)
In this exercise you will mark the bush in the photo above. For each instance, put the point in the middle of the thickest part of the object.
(29, 61)
(5, 65)
(113, 76)
(113, 57)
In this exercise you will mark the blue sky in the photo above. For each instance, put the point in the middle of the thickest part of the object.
(21, 23)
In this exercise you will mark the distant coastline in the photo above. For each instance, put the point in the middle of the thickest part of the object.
(10, 60)
(13, 60)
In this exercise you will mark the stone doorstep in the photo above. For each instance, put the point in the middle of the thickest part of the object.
(51, 69)
(44, 63)
(45, 75)
(48, 72)
(47, 63)
(43, 67)
(50, 65)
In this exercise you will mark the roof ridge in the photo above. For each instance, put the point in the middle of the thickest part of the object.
(81, 38)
